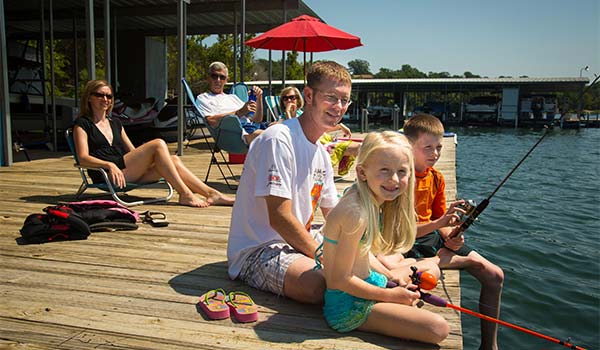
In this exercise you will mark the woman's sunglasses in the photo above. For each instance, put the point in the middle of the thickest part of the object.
(290, 98)
(99, 95)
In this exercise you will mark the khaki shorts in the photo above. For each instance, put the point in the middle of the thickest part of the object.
(265, 268)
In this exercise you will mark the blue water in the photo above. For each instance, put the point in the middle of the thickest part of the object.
(542, 227)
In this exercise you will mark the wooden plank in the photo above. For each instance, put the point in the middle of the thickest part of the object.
(138, 289)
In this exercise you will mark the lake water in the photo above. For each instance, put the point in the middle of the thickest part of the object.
(542, 227)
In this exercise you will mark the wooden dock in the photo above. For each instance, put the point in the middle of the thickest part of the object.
(139, 289)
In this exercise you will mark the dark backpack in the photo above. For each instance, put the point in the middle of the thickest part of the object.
(76, 220)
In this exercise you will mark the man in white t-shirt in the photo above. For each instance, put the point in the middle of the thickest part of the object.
(216, 104)
(287, 176)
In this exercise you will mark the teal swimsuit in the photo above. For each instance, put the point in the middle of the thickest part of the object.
(344, 312)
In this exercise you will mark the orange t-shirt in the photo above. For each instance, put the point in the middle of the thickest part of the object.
(430, 200)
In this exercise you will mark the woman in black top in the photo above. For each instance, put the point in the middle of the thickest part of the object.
(101, 142)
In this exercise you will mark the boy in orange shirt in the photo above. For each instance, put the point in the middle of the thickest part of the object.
(425, 132)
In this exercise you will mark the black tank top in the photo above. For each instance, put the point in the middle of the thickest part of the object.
(99, 147)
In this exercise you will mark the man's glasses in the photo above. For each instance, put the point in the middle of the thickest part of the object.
(333, 99)
(216, 76)
(290, 98)
(101, 95)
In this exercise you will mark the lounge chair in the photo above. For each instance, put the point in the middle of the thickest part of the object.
(108, 186)
(240, 90)
(227, 137)
(272, 103)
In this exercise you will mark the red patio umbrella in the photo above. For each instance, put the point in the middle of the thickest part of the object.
(306, 34)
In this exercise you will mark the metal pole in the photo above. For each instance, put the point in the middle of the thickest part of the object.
(181, 17)
(43, 57)
(270, 73)
(364, 125)
(75, 63)
(90, 39)
(242, 68)
(235, 46)
(6, 157)
(115, 60)
(52, 80)
(107, 47)
(283, 63)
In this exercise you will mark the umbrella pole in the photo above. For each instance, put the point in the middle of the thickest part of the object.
(304, 42)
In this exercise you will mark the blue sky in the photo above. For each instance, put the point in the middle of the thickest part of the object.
(537, 38)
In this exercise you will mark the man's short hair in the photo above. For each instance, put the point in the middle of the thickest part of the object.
(423, 123)
(327, 70)
(215, 66)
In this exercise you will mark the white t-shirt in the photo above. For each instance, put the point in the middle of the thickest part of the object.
(213, 104)
(283, 163)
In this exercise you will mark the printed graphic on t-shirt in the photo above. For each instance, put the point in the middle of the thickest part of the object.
(315, 194)
(274, 179)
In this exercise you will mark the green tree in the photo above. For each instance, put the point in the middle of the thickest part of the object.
(405, 72)
(294, 70)
(200, 56)
(468, 74)
(438, 75)
(359, 66)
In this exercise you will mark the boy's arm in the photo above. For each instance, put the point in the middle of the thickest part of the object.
(443, 224)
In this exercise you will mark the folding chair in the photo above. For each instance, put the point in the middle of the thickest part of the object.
(227, 137)
(240, 90)
(272, 103)
(108, 186)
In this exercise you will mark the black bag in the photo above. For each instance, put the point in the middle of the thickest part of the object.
(42, 228)
(76, 220)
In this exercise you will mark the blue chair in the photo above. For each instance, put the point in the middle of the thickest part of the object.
(227, 137)
(273, 108)
(240, 90)
(108, 186)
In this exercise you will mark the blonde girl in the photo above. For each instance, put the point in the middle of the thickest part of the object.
(375, 215)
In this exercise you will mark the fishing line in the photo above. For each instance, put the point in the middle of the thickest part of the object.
(474, 211)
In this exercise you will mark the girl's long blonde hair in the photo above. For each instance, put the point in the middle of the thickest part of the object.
(392, 227)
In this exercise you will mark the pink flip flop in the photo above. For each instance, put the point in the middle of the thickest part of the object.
(242, 307)
(213, 304)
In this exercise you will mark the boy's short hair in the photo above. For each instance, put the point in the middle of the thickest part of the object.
(423, 123)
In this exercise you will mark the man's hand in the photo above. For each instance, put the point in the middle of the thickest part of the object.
(345, 130)
(257, 91)
(212, 120)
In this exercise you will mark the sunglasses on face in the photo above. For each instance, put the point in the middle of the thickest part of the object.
(290, 98)
(101, 95)
(216, 76)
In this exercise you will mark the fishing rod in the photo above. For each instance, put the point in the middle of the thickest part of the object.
(425, 280)
(472, 211)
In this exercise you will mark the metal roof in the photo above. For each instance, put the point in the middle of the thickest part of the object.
(153, 17)
(525, 85)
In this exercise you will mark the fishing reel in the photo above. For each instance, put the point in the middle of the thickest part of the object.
(423, 279)
(468, 206)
